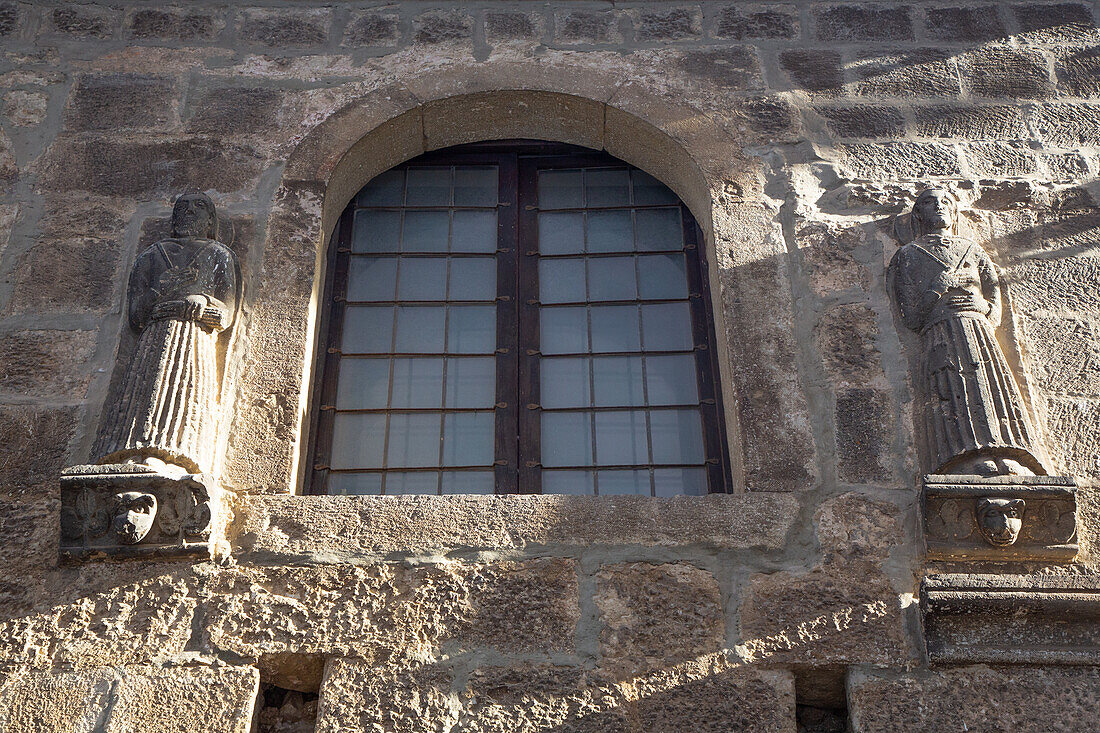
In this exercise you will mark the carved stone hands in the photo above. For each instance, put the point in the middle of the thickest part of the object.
(207, 311)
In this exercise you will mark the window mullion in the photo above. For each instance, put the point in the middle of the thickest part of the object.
(506, 449)
(530, 428)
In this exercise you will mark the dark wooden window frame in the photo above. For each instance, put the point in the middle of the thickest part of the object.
(516, 451)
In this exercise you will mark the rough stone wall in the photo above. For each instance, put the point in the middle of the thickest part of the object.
(542, 613)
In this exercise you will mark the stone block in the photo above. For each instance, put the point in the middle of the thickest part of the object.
(135, 167)
(400, 696)
(29, 531)
(1006, 73)
(1056, 284)
(1068, 125)
(830, 256)
(1064, 354)
(845, 613)
(174, 24)
(847, 339)
(34, 442)
(121, 101)
(972, 23)
(673, 24)
(442, 26)
(57, 702)
(46, 363)
(1078, 71)
(862, 22)
(184, 699)
(655, 616)
(284, 27)
(1000, 160)
(66, 276)
(228, 111)
(899, 161)
(9, 19)
(821, 72)
(863, 121)
(531, 696)
(970, 123)
(1065, 167)
(585, 26)
(773, 118)
(369, 28)
(922, 72)
(854, 527)
(82, 21)
(864, 425)
(1054, 23)
(734, 69)
(775, 21)
(506, 26)
(9, 171)
(978, 698)
(717, 700)
(1073, 425)
(25, 109)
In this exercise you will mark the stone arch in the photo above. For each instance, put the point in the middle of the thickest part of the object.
(388, 125)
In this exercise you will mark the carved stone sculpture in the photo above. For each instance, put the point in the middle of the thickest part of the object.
(134, 513)
(183, 292)
(1000, 520)
(946, 289)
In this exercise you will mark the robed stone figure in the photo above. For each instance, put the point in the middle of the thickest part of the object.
(946, 289)
(183, 292)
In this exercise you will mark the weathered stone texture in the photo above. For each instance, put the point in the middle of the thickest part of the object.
(813, 71)
(864, 424)
(830, 256)
(372, 29)
(46, 363)
(1000, 160)
(9, 19)
(1068, 125)
(34, 442)
(1003, 72)
(82, 21)
(1055, 23)
(716, 700)
(584, 26)
(847, 338)
(863, 121)
(501, 26)
(862, 23)
(735, 69)
(975, 698)
(854, 527)
(740, 23)
(1065, 353)
(236, 111)
(283, 27)
(901, 160)
(442, 26)
(925, 72)
(657, 615)
(980, 23)
(974, 123)
(121, 102)
(173, 23)
(25, 109)
(673, 24)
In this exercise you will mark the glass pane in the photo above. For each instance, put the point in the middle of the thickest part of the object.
(428, 187)
(363, 384)
(560, 189)
(563, 330)
(367, 330)
(472, 329)
(649, 191)
(468, 482)
(413, 440)
(564, 383)
(419, 329)
(357, 440)
(611, 278)
(621, 438)
(561, 281)
(473, 278)
(372, 278)
(677, 436)
(412, 482)
(354, 483)
(387, 189)
(660, 229)
(566, 439)
(468, 439)
(624, 482)
(680, 481)
(618, 381)
(671, 380)
(666, 326)
(615, 328)
(422, 278)
(417, 383)
(568, 482)
(376, 231)
(662, 276)
(610, 231)
(425, 231)
(475, 186)
(607, 187)
(561, 233)
(474, 231)
(471, 382)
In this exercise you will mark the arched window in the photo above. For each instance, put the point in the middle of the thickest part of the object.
(517, 317)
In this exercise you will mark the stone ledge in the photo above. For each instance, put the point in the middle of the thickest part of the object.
(1011, 619)
(342, 526)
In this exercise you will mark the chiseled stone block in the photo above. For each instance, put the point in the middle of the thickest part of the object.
(1000, 518)
(1011, 619)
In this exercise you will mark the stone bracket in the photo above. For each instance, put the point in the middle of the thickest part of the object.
(121, 511)
(953, 505)
(1011, 619)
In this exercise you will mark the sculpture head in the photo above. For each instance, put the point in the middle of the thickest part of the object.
(194, 216)
(1000, 520)
(935, 210)
(133, 516)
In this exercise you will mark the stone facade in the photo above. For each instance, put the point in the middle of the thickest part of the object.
(796, 132)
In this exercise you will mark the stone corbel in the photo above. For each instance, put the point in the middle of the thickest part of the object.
(1011, 518)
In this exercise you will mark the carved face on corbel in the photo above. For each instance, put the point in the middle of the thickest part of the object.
(133, 516)
(1000, 520)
